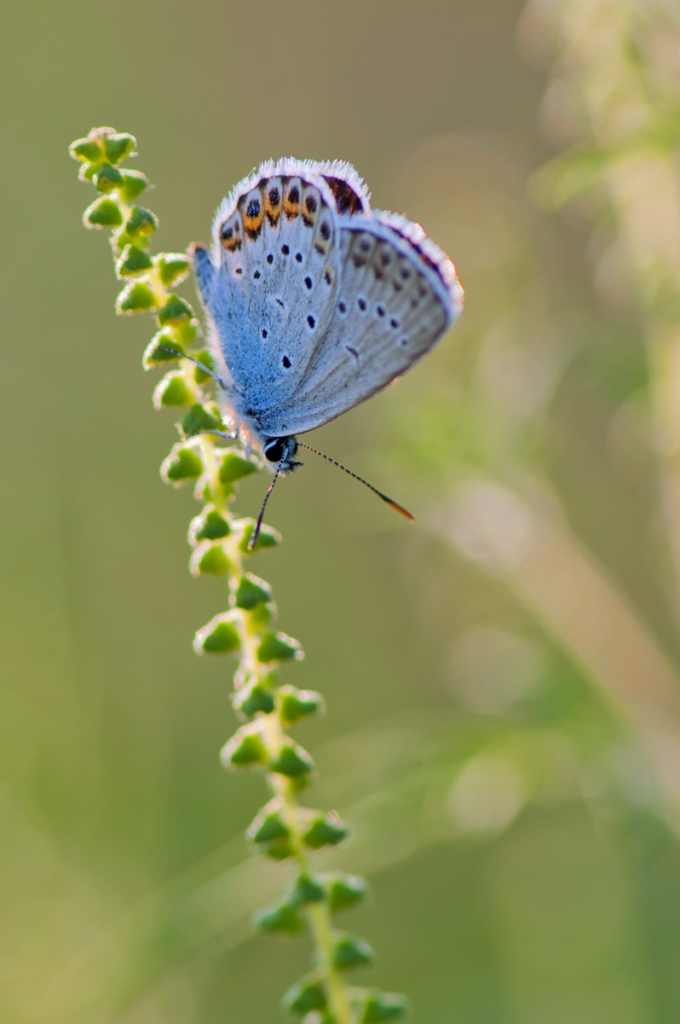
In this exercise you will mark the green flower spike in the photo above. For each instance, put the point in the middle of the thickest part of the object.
(283, 829)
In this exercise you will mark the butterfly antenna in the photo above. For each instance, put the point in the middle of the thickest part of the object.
(388, 501)
(256, 532)
(200, 365)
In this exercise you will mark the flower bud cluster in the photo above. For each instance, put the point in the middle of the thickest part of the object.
(246, 629)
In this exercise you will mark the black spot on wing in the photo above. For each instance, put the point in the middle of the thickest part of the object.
(346, 199)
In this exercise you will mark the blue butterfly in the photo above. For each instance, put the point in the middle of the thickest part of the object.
(315, 301)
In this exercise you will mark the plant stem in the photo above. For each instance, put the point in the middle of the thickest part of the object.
(317, 914)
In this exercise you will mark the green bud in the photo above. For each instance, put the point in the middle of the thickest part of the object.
(198, 419)
(133, 261)
(172, 390)
(103, 213)
(278, 647)
(136, 297)
(253, 699)
(269, 832)
(325, 830)
(268, 825)
(209, 558)
(292, 760)
(88, 150)
(141, 222)
(251, 591)
(186, 330)
(350, 951)
(235, 466)
(175, 311)
(205, 357)
(122, 239)
(107, 178)
(219, 636)
(380, 1006)
(210, 525)
(306, 890)
(87, 171)
(262, 615)
(245, 749)
(309, 993)
(134, 183)
(173, 267)
(183, 463)
(344, 891)
(156, 351)
(278, 918)
(268, 537)
(118, 146)
(295, 704)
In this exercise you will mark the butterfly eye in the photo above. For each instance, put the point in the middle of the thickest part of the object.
(274, 449)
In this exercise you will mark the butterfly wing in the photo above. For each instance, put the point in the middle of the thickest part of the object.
(397, 293)
(269, 285)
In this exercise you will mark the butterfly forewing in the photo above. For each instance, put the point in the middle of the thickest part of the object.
(394, 301)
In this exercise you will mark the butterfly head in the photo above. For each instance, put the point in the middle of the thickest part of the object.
(282, 451)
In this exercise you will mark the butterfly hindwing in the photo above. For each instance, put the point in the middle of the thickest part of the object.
(271, 296)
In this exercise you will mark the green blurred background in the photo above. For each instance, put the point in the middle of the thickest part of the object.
(504, 723)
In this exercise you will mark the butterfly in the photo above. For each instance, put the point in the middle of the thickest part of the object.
(315, 301)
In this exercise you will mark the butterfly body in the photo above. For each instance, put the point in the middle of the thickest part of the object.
(316, 301)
